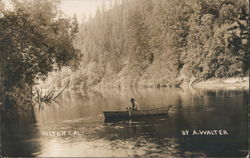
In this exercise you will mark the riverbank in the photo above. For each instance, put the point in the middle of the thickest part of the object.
(229, 83)
(124, 80)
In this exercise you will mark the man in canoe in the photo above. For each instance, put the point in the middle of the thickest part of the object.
(134, 105)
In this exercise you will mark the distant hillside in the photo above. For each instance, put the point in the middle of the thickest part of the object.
(162, 43)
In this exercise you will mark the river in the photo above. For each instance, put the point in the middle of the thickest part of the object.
(75, 125)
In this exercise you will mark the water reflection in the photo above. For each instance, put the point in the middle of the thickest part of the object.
(157, 136)
(19, 135)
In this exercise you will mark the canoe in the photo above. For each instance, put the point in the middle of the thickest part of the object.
(122, 115)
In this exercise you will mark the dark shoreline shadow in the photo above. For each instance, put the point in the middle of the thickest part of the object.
(18, 132)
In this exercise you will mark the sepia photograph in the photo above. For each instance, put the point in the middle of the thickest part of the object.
(124, 78)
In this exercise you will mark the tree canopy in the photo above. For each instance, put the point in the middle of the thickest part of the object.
(34, 40)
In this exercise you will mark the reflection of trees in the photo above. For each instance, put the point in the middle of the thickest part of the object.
(17, 132)
(73, 105)
(214, 109)
(155, 136)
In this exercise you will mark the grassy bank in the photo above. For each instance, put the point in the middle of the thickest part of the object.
(229, 83)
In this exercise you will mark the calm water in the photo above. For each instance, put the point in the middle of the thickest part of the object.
(79, 114)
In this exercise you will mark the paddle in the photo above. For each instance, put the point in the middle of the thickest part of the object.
(129, 113)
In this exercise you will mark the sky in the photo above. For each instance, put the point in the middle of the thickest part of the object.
(81, 7)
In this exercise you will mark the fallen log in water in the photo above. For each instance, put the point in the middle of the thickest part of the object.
(48, 97)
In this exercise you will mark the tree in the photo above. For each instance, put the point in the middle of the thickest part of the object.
(34, 42)
(138, 39)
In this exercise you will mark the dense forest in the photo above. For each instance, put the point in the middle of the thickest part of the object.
(161, 43)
